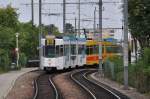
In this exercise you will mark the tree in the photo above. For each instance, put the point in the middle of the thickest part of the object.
(28, 40)
(69, 28)
(139, 21)
(51, 29)
(8, 17)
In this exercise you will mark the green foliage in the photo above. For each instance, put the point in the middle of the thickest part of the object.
(116, 64)
(51, 29)
(8, 17)
(69, 28)
(139, 73)
(139, 21)
(22, 60)
(7, 37)
(4, 59)
(28, 40)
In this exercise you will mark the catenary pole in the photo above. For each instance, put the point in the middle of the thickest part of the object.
(32, 12)
(40, 31)
(79, 18)
(75, 24)
(100, 38)
(125, 44)
(64, 16)
(94, 26)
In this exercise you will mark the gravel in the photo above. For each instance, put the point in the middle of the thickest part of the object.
(24, 86)
(68, 88)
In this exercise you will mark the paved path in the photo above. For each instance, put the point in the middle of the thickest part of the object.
(7, 80)
(131, 93)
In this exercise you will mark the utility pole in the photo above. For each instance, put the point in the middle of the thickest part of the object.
(79, 19)
(40, 30)
(32, 11)
(100, 38)
(64, 16)
(94, 26)
(75, 25)
(125, 43)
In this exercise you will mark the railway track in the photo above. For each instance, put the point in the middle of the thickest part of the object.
(45, 88)
(95, 90)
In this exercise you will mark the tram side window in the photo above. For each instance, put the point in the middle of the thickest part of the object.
(73, 49)
(81, 49)
(95, 49)
(49, 51)
(66, 49)
(112, 49)
(61, 51)
(57, 51)
(89, 50)
(103, 48)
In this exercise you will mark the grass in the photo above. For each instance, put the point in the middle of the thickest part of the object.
(3, 71)
(147, 94)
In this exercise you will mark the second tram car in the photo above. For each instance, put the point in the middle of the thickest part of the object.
(108, 50)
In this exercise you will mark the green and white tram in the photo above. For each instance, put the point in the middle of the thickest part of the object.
(62, 53)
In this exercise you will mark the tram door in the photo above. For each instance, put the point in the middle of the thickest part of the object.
(73, 55)
(59, 56)
(66, 56)
(81, 55)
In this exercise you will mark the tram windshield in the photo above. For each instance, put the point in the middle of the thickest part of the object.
(50, 51)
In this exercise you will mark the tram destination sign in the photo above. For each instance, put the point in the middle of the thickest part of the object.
(50, 40)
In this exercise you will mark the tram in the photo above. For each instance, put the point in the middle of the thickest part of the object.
(109, 50)
(92, 52)
(70, 51)
(62, 52)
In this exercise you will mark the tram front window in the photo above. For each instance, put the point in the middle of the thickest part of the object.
(50, 51)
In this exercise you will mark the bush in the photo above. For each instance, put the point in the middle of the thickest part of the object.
(141, 72)
(113, 68)
(4, 60)
(22, 60)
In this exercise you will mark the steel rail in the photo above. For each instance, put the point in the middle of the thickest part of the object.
(85, 88)
(84, 75)
(56, 92)
(51, 84)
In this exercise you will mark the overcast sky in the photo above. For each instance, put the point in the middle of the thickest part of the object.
(112, 12)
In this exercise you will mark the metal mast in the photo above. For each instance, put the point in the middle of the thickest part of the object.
(125, 44)
(64, 16)
(100, 38)
(94, 26)
(75, 24)
(40, 29)
(32, 11)
(79, 19)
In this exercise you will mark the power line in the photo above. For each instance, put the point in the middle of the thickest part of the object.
(74, 3)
